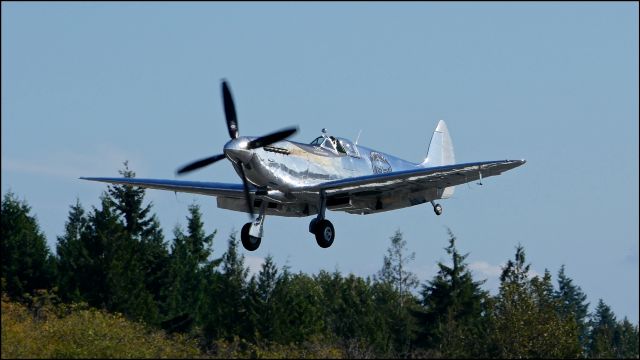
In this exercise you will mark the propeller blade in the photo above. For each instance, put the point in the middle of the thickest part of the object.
(229, 111)
(247, 197)
(200, 163)
(271, 138)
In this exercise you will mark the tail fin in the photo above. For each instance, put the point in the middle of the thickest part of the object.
(441, 153)
(441, 148)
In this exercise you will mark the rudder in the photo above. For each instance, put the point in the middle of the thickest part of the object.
(440, 148)
(440, 152)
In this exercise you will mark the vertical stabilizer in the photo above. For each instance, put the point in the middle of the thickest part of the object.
(440, 152)
(440, 148)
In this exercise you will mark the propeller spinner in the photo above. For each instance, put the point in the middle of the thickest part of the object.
(236, 145)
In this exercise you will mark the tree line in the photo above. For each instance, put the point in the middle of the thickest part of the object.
(114, 257)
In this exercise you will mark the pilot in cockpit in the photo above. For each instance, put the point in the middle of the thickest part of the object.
(337, 145)
(331, 144)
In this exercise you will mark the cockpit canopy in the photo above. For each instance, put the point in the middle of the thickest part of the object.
(336, 145)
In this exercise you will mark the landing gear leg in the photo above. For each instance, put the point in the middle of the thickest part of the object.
(322, 228)
(251, 234)
(436, 208)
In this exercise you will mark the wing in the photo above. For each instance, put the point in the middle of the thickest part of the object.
(388, 191)
(194, 187)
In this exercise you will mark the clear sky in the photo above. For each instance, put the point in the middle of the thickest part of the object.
(86, 86)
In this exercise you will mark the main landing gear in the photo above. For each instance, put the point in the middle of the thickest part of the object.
(321, 227)
(324, 232)
(249, 242)
(251, 233)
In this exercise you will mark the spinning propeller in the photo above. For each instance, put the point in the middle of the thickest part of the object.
(237, 149)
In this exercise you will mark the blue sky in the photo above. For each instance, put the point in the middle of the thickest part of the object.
(86, 86)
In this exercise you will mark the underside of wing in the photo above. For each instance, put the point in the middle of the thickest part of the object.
(194, 187)
(389, 191)
(229, 196)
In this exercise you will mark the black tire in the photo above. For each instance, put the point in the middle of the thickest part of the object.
(249, 242)
(312, 225)
(437, 209)
(325, 233)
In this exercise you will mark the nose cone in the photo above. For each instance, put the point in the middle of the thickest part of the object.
(236, 150)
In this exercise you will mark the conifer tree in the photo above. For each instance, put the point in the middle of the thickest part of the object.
(126, 254)
(395, 274)
(227, 318)
(573, 305)
(603, 328)
(185, 290)
(265, 306)
(72, 254)
(103, 236)
(526, 322)
(299, 311)
(626, 340)
(453, 323)
(144, 239)
(27, 263)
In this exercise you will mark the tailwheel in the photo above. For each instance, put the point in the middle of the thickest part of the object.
(437, 209)
(324, 231)
(249, 242)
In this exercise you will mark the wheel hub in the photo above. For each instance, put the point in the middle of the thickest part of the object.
(327, 233)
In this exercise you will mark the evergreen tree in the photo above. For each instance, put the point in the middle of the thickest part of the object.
(265, 306)
(554, 335)
(185, 291)
(573, 305)
(123, 258)
(227, 317)
(27, 263)
(395, 275)
(626, 340)
(350, 313)
(454, 304)
(145, 253)
(103, 236)
(395, 268)
(299, 310)
(603, 327)
(72, 254)
(525, 318)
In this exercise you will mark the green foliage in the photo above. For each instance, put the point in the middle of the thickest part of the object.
(300, 308)
(72, 255)
(573, 305)
(231, 292)
(184, 290)
(240, 349)
(396, 283)
(395, 268)
(138, 268)
(526, 322)
(76, 331)
(454, 306)
(626, 340)
(603, 330)
(261, 303)
(27, 263)
(123, 284)
(351, 314)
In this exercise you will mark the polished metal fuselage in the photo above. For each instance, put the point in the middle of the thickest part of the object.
(288, 166)
(284, 169)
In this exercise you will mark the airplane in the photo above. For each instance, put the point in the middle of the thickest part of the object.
(288, 178)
